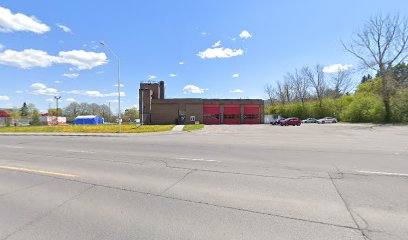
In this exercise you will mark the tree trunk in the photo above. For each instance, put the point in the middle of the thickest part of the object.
(386, 94)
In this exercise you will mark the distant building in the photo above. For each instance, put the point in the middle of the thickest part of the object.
(4, 118)
(88, 120)
(50, 120)
(155, 109)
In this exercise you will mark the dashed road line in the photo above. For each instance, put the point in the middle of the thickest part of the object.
(196, 159)
(385, 173)
(38, 171)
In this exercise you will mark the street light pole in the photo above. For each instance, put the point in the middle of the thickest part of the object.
(57, 99)
(117, 58)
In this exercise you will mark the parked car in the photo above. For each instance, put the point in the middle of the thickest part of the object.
(327, 120)
(294, 121)
(309, 120)
(277, 121)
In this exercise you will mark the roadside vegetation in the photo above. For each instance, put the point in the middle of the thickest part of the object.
(381, 47)
(193, 127)
(126, 128)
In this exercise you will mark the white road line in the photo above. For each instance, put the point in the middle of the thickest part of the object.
(78, 151)
(11, 146)
(196, 159)
(385, 173)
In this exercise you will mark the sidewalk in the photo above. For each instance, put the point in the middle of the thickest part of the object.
(178, 128)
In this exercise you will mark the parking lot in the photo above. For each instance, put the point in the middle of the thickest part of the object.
(331, 181)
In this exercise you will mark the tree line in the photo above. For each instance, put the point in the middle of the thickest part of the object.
(382, 47)
(29, 112)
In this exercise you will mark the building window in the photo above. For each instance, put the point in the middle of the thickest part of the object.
(192, 118)
(231, 116)
(251, 116)
(212, 116)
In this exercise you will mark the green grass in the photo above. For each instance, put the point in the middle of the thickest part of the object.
(126, 128)
(193, 127)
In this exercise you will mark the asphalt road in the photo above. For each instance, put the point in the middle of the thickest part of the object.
(225, 182)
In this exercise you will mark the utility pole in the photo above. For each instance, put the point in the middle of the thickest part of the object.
(57, 99)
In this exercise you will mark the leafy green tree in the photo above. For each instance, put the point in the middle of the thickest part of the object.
(24, 111)
(400, 106)
(131, 114)
(35, 117)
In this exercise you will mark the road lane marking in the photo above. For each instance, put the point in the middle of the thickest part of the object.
(385, 173)
(78, 151)
(11, 146)
(196, 159)
(38, 171)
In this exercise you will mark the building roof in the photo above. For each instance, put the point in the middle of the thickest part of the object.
(86, 117)
(4, 114)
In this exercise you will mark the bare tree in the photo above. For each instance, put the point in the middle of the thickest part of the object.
(270, 92)
(300, 86)
(316, 78)
(341, 82)
(381, 44)
(284, 91)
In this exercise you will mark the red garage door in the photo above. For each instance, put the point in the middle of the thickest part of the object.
(251, 114)
(232, 114)
(211, 113)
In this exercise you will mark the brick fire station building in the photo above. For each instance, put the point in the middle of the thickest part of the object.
(158, 110)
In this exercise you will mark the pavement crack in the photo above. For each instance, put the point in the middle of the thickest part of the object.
(26, 188)
(346, 204)
(38, 218)
(178, 181)
(161, 195)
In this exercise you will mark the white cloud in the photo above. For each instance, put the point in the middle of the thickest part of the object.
(181, 63)
(49, 100)
(151, 77)
(217, 44)
(42, 89)
(82, 59)
(235, 75)
(237, 91)
(57, 81)
(64, 28)
(99, 94)
(193, 89)
(70, 75)
(121, 85)
(4, 98)
(112, 101)
(26, 59)
(220, 53)
(70, 100)
(38, 86)
(10, 22)
(30, 58)
(172, 75)
(1, 46)
(19, 91)
(334, 68)
(245, 34)
(99, 72)
(73, 92)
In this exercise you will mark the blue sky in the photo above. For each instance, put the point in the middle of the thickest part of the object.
(208, 49)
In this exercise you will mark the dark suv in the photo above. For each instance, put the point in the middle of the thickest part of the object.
(294, 121)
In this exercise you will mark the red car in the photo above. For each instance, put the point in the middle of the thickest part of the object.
(294, 121)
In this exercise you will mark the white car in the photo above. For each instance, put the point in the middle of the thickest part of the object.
(327, 120)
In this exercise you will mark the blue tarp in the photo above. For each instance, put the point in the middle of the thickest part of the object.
(88, 120)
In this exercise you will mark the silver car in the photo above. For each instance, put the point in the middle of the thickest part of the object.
(309, 120)
(327, 120)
